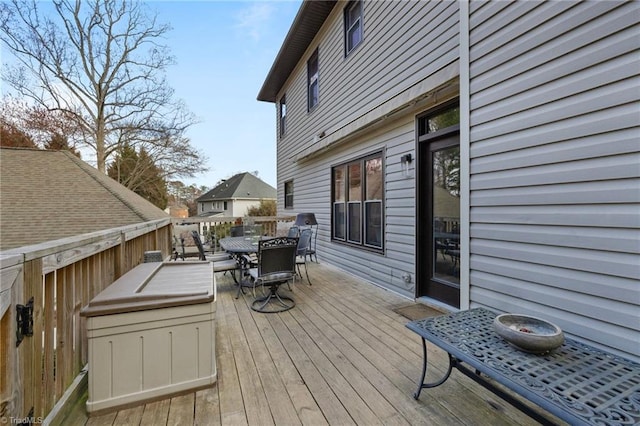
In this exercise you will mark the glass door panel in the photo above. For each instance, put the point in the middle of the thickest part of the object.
(445, 215)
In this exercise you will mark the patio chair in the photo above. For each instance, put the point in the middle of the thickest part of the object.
(276, 266)
(222, 262)
(294, 231)
(253, 230)
(202, 255)
(308, 220)
(236, 231)
(304, 245)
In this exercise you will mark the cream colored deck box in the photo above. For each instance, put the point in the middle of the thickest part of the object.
(152, 334)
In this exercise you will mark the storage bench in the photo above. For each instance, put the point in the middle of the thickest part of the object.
(151, 334)
(575, 382)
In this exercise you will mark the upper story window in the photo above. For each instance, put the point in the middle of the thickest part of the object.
(282, 113)
(288, 194)
(312, 80)
(357, 211)
(352, 25)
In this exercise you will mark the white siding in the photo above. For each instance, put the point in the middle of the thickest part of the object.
(404, 44)
(555, 165)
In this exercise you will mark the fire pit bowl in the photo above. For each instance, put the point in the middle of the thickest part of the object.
(529, 334)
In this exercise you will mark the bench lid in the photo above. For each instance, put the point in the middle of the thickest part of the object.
(156, 285)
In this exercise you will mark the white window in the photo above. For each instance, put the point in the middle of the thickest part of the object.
(352, 26)
(312, 80)
(283, 115)
(288, 194)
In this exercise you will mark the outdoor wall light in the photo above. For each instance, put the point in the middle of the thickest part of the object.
(405, 160)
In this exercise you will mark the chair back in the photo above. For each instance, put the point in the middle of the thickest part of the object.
(196, 239)
(277, 258)
(253, 229)
(237, 231)
(304, 243)
(293, 232)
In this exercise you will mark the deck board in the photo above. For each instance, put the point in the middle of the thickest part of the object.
(207, 409)
(155, 413)
(341, 356)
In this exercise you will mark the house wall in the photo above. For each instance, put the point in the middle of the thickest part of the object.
(235, 207)
(240, 207)
(207, 206)
(554, 165)
(552, 151)
(367, 102)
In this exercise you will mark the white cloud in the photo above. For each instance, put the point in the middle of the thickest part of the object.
(253, 20)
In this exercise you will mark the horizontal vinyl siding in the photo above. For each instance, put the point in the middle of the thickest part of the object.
(404, 43)
(555, 165)
(398, 258)
(312, 192)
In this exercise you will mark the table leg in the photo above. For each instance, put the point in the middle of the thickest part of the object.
(421, 383)
(244, 280)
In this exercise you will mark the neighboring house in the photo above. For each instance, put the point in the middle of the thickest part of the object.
(48, 195)
(234, 196)
(480, 153)
(178, 212)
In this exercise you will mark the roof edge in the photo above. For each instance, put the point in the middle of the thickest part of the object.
(97, 176)
(308, 21)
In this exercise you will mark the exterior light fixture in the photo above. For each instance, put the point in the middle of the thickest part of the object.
(405, 160)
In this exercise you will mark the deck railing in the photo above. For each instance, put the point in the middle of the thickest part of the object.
(40, 371)
(43, 375)
(212, 229)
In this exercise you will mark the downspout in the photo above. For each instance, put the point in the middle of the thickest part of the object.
(464, 156)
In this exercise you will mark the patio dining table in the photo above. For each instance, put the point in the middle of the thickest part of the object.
(239, 245)
(239, 248)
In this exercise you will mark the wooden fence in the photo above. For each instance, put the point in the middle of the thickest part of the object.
(44, 374)
(60, 277)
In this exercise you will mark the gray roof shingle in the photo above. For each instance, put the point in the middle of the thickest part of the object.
(47, 195)
(242, 185)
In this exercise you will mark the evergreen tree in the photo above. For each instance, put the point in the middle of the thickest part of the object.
(136, 171)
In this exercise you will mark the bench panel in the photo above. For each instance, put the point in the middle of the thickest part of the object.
(576, 382)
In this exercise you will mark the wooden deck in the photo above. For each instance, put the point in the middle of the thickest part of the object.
(342, 356)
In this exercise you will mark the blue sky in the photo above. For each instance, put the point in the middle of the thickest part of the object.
(224, 50)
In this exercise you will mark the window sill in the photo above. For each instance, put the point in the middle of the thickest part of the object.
(359, 247)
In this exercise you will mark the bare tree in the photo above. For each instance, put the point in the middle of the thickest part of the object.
(101, 63)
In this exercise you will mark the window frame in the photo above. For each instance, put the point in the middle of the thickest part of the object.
(348, 25)
(340, 225)
(282, 115)
(313, 78)
(288, 204)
